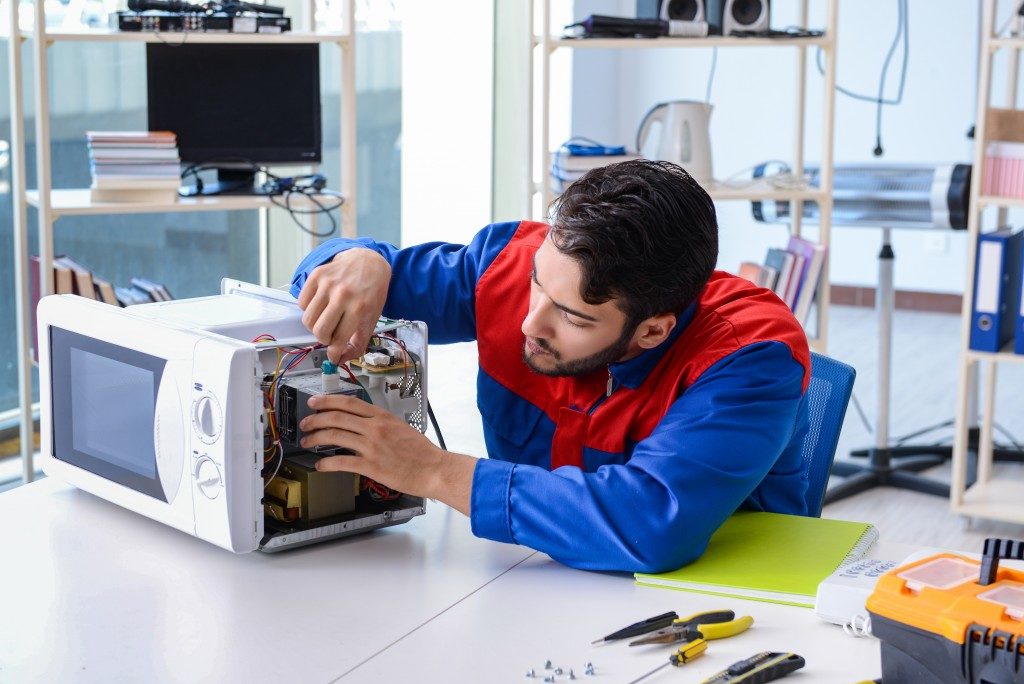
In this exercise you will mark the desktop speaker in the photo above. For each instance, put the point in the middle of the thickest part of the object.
(684, 17)
(728, 16)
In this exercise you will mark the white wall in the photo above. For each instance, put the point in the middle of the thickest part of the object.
(754, 95)
(447, 67)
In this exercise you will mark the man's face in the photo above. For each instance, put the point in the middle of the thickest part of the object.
(564, 334)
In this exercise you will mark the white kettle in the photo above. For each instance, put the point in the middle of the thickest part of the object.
(685, 136)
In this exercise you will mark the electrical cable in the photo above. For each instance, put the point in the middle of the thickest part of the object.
(902, 32)
(711, 74)
(437, 429)
(276, 185)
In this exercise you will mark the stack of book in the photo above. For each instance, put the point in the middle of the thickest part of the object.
(567, 167)
(134, 166)
(791, 273)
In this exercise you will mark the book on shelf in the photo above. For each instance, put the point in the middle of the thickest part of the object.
(131, 137)
(61, 281)
(782, 261)
(759, 274)
(793, 273)
(156, 291)
(813, 262)
(770, 557)
(105, 291)
(84, 285)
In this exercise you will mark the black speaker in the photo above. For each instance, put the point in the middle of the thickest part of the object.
(684, 17)
(726, 16)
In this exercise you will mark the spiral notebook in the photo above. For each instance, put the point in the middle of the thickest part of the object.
(770, 557)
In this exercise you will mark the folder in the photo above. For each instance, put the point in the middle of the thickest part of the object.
(782, 261)
(770, 557)
(814, 255)
(997, 287)
(1018, 313)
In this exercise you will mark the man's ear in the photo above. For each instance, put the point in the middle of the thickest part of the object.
(654, 330)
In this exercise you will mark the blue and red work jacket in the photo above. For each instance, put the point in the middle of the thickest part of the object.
(634, 480)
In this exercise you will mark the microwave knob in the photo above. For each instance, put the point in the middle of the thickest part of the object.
(208, 478)
(207, 418)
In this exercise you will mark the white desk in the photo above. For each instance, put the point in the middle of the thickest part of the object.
(541, 611)
(94, 593)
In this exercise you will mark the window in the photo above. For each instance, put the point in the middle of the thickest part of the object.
(102, 86)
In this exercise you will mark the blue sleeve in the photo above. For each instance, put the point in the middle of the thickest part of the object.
(434, 282)
(657, 511)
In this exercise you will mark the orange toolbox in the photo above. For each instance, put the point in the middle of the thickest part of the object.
(948, 618)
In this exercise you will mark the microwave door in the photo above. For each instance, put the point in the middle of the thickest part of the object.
(119, 396)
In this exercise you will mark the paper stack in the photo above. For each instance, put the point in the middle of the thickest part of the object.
(567, 167)
(134, 166)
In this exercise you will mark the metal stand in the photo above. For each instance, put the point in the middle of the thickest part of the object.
(880, 471)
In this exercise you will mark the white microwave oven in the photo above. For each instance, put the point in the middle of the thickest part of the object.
(179, 411)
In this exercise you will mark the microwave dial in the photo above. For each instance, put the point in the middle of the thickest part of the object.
(207, 419)
(208, 478)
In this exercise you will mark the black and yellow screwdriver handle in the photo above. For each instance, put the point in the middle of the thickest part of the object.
(763, 667)
(688, 652)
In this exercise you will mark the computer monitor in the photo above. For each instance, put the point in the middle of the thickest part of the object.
(237, 106)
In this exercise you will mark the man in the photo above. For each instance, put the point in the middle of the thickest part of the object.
(632, 397)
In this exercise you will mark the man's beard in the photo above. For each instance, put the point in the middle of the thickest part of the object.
(588, 364)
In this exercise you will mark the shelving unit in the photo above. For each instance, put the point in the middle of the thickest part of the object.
(989, 498)
(540, 145)
(53, 204)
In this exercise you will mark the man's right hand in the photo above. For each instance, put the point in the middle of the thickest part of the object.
(343, 299)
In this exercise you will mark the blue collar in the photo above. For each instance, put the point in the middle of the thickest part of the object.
(632, 373)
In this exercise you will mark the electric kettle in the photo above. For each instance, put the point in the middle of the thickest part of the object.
(685, 136)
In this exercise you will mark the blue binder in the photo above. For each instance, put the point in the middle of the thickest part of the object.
(997, 288)
(1018, 312)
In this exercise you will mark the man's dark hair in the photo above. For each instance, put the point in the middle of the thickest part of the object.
(643, 232)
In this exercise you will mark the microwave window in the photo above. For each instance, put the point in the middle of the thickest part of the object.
(112, 407)
(104, 401)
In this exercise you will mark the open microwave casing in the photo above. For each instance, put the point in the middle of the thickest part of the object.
(159, 408)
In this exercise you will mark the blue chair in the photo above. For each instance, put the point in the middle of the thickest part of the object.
(827, 398)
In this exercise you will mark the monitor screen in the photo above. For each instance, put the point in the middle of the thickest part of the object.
(232, 102)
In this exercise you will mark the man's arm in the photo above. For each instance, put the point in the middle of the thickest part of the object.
(657, 511)
(433, 282)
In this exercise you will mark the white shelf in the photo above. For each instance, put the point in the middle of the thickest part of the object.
(176, 37)
(994, 500)
(989, 498)
(77, 202)
(1006, 355)
(993, 201)
(1000, 43)
(756, 190)
(670, 42)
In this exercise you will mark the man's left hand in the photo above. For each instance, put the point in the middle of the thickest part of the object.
(387, 449)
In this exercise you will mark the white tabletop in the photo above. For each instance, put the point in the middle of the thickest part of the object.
(92, 593)
(541, 610)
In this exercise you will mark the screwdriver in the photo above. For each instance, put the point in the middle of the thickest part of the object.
(682, 656)
(651, 624)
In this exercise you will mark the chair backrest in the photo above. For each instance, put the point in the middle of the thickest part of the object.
(827, 398)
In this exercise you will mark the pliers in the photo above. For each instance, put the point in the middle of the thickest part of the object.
(714, 624)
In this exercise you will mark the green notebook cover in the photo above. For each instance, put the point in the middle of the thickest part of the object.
(770, 557)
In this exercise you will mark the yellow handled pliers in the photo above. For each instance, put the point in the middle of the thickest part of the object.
(717, 624)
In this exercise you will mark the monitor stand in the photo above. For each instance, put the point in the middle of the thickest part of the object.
(229, 182)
